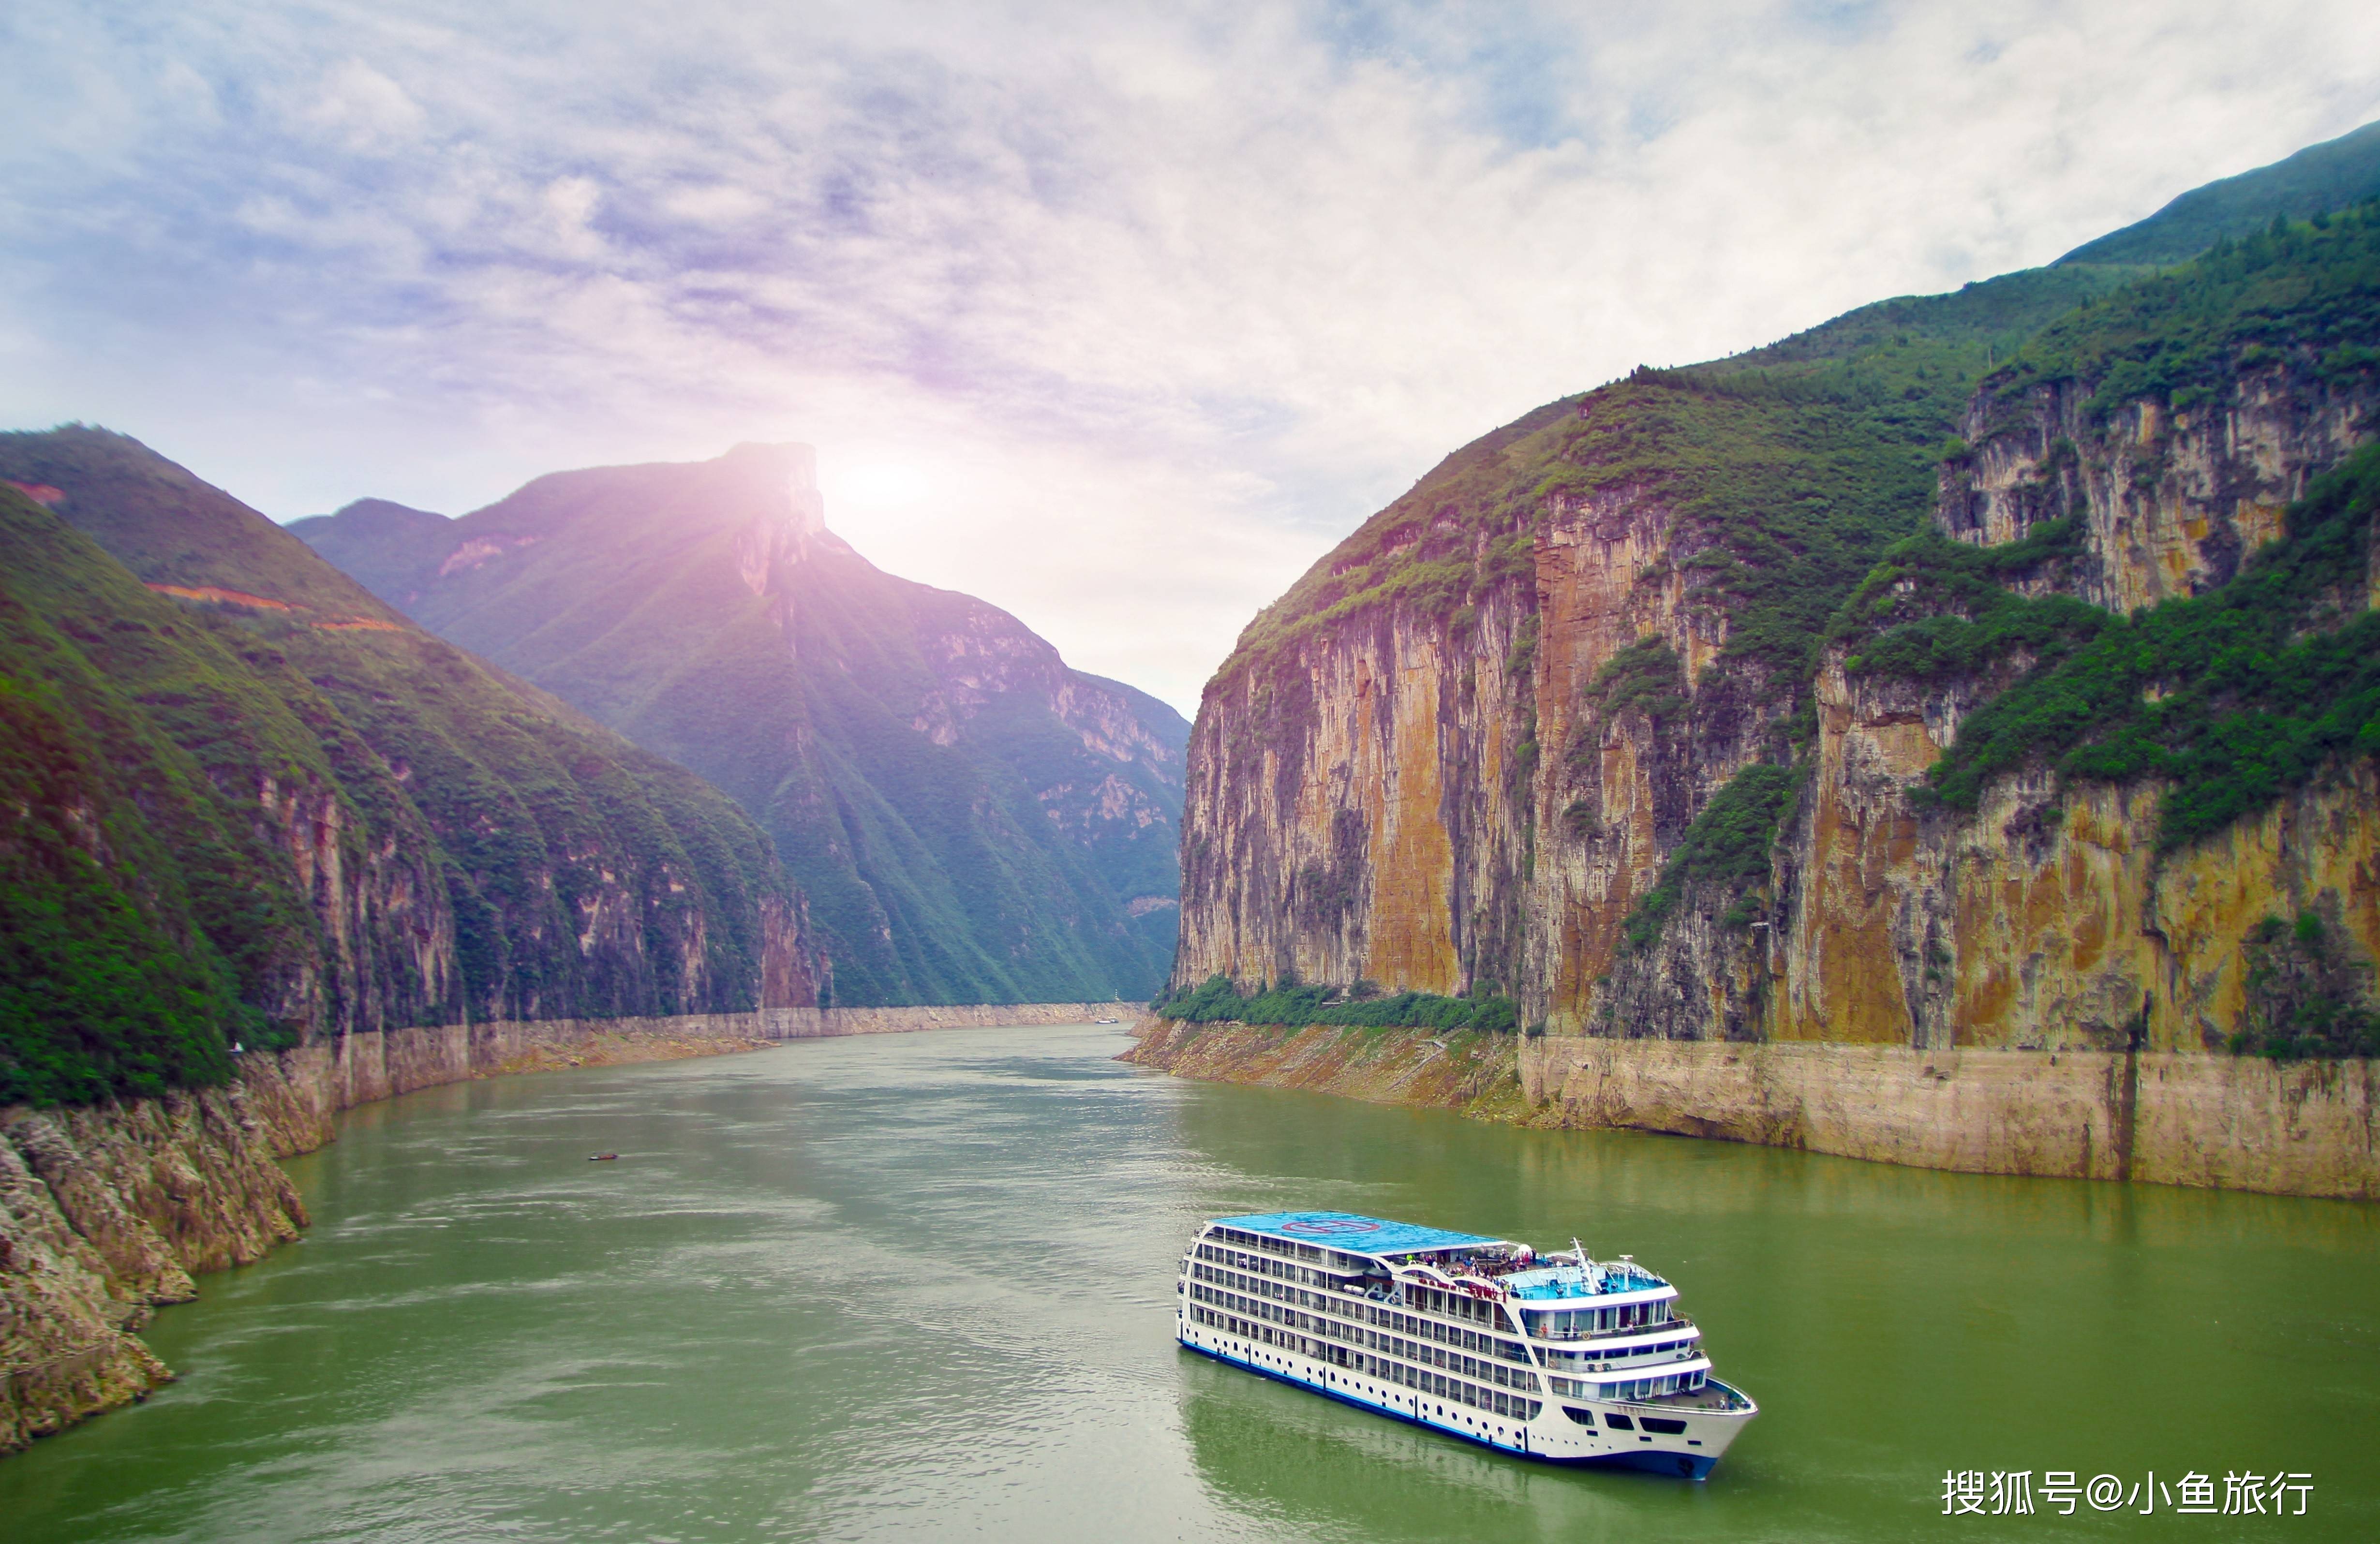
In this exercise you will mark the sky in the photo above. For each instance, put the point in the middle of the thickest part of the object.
(1117, 316)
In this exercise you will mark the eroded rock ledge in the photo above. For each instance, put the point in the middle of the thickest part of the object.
(108, 1211)
(1475, 1074)
(2307, 1128)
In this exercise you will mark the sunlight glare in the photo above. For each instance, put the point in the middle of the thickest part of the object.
(877, 484)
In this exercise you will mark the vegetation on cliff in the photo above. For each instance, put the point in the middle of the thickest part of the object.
(1786, 485)
(257, 809)
(2307, 294)
(2230, 698)
(1936, 609)
(98, 993)
(1217, 1000)
(2308, 996)
(1725, 846)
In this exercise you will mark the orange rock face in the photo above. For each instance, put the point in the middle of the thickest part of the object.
(1356, 814)
(1442, 801)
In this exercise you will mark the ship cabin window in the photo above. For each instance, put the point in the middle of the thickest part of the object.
(1618, 1422)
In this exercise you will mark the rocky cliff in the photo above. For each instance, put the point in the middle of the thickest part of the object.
(1648, 709)
(969, 819)
(248, 803)
(2306, 1128)
(105, 1212)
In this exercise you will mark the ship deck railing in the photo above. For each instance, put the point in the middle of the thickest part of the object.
(1714, 1396)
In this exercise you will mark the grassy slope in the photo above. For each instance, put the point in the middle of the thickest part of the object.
(2325, 176)
(1791, 468)
(138, 916)
(167, 526)
(154, 722)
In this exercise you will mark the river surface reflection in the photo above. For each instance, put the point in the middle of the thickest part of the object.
(920, 1286)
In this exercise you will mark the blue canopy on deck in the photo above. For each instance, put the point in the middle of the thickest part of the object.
(1357, 1235)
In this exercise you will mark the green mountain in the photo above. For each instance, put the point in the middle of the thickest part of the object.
(401, 547)
(969, 819)
(1750, 700)
(1804, 457)
(2320, 178)
(242, 799)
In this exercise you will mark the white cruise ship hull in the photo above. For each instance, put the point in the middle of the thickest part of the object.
(1555, 1437)
(1559, 1358)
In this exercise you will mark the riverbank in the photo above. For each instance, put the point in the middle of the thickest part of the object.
(2305, 1128)
(108, 1211)
(1475, 1074)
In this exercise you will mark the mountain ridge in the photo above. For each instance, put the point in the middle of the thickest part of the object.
(705, 610)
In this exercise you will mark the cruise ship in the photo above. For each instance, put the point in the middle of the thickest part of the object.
(1559, 1357)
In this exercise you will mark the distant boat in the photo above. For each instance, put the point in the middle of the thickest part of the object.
(602, 1157)
(1107, 1021)
(1464, 1335)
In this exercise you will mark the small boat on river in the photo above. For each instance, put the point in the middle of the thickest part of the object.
(1558, 1357)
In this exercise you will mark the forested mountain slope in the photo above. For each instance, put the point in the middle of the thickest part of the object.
(244, 800)
(971, 819)
(1626, 711)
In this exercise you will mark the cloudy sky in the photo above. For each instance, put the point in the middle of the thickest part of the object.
(1115, 315)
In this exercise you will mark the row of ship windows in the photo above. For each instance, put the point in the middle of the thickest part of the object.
(1260, 1266)
(1429, 1356)
(1366, 1313)
(1632, 1389)
(1570, 1323)
(1567, 1358)
(1618, 1422)
(1437, 1385)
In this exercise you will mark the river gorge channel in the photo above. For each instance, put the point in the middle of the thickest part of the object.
(921, 1286)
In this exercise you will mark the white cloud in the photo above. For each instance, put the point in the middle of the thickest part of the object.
(718, 203)
(1162, 300)
(365, 110)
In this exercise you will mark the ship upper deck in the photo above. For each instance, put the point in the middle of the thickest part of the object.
(1352, 1233)
(1594, 1279)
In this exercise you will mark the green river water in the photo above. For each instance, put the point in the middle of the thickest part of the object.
(920, 1286)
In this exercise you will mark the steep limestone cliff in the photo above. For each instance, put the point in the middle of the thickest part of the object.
(2021, 930)
(2173, 498)
(1617, 710)
(1360, 807)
